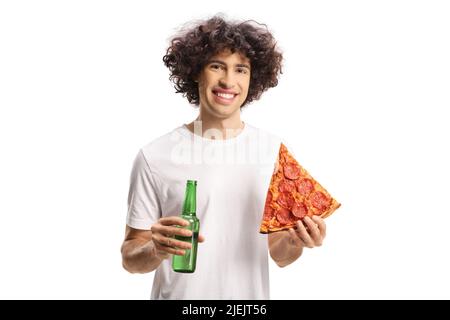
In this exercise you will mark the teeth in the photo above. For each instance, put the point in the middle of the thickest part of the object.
(225, 95)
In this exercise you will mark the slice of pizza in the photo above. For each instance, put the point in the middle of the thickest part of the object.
(292, 195)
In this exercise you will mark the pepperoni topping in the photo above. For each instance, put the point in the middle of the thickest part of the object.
(286, 200)
(299, 210)
(320, 200)
(269, 197)
(284, 216)
(291, 171)
(268, 213)
(304, 186)
(286, 186)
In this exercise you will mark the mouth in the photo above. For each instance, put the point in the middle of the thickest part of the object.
(224, 97)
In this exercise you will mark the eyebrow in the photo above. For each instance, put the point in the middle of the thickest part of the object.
(241, 65)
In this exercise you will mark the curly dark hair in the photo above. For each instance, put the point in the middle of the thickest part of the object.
(189, 52)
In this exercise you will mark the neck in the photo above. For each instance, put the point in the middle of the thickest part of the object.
(217, 128)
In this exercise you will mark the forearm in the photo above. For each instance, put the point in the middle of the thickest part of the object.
(283, 251)
(139, 256)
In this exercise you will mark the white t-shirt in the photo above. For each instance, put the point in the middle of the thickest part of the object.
(233, 177)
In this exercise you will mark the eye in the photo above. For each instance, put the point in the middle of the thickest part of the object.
(242, 70)
(216, 66)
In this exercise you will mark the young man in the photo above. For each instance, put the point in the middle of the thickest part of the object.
(219, 66)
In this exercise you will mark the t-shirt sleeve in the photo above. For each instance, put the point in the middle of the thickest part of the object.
(144, 207)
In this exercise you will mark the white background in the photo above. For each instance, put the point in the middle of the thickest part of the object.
(363, 101)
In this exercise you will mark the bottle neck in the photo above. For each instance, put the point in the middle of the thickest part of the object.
(190, 202)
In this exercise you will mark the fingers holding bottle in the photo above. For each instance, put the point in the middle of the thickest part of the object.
(163, 236)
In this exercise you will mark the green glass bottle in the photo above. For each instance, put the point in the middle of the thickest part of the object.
(186, 263)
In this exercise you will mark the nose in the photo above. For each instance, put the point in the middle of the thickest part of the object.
(227, 81)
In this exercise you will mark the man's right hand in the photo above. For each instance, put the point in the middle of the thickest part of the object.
(163, 233)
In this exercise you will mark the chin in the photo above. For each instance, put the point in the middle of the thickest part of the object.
(223, 110)
(227, 112)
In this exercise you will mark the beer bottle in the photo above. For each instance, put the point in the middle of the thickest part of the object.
(186, 263)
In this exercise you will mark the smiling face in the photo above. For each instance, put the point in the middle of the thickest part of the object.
(223, 84)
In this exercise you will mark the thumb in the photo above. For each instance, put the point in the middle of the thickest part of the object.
(201, 238)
